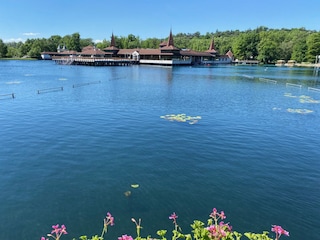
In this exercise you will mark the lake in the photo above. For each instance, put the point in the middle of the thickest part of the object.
(74, 139)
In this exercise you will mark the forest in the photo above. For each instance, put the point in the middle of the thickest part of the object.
(263, 44)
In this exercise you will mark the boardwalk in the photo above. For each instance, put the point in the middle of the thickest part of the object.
(94, 61)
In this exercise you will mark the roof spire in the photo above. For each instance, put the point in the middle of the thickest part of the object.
(170, 40)
(212, 45)
(211, 48)
(113, 42)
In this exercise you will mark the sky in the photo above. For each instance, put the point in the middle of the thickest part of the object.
(98, 19)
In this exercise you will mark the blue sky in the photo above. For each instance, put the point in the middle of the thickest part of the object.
(97, 19)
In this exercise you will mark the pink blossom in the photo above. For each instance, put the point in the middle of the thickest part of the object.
(173, 216)
(43, 238)
(56, 229)
(125, 237)
(59, 231)
(222, 216)
(219, 231)
(109, 220)
(279, 231)
(215, 215)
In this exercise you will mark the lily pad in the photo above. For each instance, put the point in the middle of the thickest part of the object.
(299, 110)
(127, 193)
(182, 117)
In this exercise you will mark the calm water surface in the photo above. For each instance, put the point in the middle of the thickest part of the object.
(69, 156)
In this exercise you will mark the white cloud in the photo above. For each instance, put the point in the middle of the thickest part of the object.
(97, 41)
(14, 40)
(30, 34)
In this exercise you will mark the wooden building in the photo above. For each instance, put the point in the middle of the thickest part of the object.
(166, 54)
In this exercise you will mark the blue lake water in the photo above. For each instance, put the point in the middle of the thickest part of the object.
(69, 156)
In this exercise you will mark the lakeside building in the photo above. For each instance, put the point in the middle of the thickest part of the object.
(166, 54)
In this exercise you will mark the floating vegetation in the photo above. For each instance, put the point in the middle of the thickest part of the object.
(307, 99)
(299, 110)
(127, 193)
(181, 118)
(248, 76)
(13, 82)
(289, 95)
(134, 185)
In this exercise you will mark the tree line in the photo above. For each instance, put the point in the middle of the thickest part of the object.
(263, 44)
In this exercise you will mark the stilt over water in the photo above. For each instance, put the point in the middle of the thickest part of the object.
(9, 95)
(316, 66)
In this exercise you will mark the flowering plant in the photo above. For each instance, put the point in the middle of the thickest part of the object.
(215, 229)
(57, 231)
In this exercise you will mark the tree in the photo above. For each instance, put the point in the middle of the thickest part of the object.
(86, 42)
(3, 49)
(103, 44)
(245, 46)
(13, 52)
(267, 51)
(313, 46)
(223, 43)
(150, 43)
(26, 47)
(72, 42)
(299, 50)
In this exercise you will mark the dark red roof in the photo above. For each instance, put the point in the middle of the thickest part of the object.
(170, 45)
(93, 51)
(195, 53)
(112, 46)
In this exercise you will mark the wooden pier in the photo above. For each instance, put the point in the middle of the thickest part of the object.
(94, 61)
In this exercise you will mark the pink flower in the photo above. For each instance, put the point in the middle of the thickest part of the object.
(43, 238)
(173, 216)
(125, 237)
(57, 231)
(279, 231)
(215, 215)
(222, 216)
(109, 220)
(219, 231)
(63, 229)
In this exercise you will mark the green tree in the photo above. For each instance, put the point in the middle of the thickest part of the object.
(26, 47)
(223, 43)
(3, 49)
(199, 44)
(313, 46)
(299, 49)
(86, 42)
(103, 44)
(53, 43)
(13, 52)
(150, 43)
(72, 42)
(245, 46)
(267, 51)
